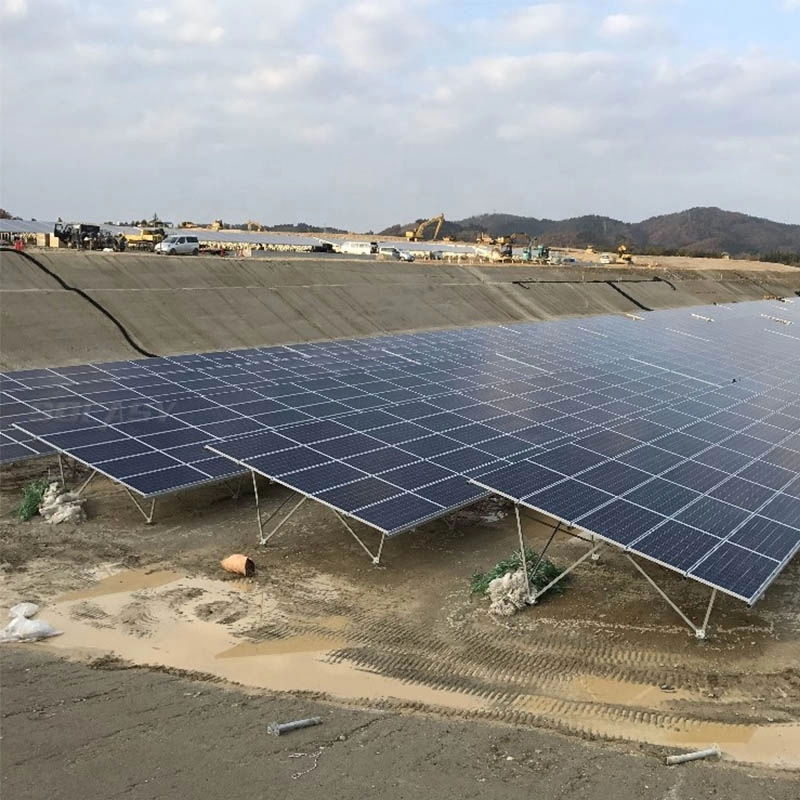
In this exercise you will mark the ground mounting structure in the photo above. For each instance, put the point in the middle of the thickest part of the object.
(674, 435)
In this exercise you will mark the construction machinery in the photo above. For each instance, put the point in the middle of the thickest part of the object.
(418, 234)
(252, 225)
(146, 239)
(535, 253)
(623, 256)
(87, 237)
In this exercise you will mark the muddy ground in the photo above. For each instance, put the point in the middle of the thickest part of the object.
(319, 629)
(73, 731)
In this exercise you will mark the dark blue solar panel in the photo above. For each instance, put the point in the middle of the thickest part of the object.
(166, 480)
(348, 445)
(218, 467)
(627, 521)
(662, 496)
(416, 474)
(742, 493)
(98, 453)
(768, 538)
(363, 492)
(506, 447)
(315, 431)
(230, 428)
(381, 460)
(714, 516)
(695, 476)
(135, 465)
(738, 442)
(568, 459)
(677, 545)
(738, 570)
(400, 513)
(326, 476)
(568, 500)
(283, 462)
(464, 460)
(614, 477)
(82, 438)
(783, 508)
(429, 446)
(452, 492)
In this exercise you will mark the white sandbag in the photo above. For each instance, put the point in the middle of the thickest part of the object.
(21, 629)
(58, 506)
(23, 610)
(508, 594)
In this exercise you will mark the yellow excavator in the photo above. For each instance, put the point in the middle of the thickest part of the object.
(623, 256)
(416, 235)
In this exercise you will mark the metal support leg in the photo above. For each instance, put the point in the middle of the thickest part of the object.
(86, 483)
(376, 559)
(148, 515)
(566, 572)
(523, 556)
(237, 491)
(61, 470)
(700, 633)
(546, 547)
(264, 539)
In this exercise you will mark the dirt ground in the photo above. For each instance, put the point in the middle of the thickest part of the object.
(586, 692)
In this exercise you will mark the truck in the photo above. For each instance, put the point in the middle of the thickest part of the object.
(146, 239)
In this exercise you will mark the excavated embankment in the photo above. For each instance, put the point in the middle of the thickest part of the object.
(179, 305)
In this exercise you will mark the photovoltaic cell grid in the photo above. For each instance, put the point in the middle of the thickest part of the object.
(462, 401)
(707, 486)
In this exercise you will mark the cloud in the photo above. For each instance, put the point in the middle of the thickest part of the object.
(334, 102)
(13, 8)
(377, 35)
(624, 25)
(541, 21)
(791, 5)
(187, 21)
(290, 74)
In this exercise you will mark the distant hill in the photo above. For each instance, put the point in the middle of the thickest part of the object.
(697, 231)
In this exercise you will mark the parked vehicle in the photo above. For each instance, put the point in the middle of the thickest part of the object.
(359, 248)
(389, 252)
(406, 256)
(179, 245)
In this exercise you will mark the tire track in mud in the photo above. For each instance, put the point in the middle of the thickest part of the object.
(534, 678)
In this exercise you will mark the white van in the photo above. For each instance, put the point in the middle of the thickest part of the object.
(179, 245)
(359, 248)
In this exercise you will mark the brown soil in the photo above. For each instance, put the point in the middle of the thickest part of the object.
(607, 659)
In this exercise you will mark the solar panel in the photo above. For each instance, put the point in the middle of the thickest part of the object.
(667, 417)
(698, 485)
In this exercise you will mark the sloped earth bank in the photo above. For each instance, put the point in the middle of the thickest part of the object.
(318, 624)
(172, 305)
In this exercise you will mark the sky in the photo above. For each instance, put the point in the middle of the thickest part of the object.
(364, 114)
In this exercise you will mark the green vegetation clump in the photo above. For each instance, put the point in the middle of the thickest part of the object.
(32, 496)
(546, 572)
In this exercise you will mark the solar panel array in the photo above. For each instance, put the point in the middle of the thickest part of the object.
(675, 434)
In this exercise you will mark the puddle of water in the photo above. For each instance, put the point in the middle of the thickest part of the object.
(126, 581)
(173, 635)
(291, 644)
(607, 690)
(184, 641)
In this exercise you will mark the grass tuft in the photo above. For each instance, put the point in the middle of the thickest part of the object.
(32, 496)
(545, 572)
